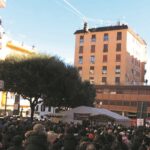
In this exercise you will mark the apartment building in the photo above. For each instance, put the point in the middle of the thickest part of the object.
(10, 47)
(110, 55)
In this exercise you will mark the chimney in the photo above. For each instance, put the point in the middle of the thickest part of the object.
(85, 27)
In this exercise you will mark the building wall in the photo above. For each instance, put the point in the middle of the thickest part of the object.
(132, 57)
(41, 110)
(123, 99)
(137, 57)
(9, 47)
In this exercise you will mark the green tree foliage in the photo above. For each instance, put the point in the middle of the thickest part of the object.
(47, 78)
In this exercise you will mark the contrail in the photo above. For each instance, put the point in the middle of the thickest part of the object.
(68, 8)
(83, 17)
(76, 10)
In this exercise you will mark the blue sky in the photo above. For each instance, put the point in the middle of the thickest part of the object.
(50, 24)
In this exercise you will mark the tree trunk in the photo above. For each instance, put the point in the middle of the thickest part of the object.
(32, 111)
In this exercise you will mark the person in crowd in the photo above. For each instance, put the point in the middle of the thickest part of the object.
(70, 141)
(70, 136)
(16, 143)
(90, 147)
(36, 139)
(1, 145)
(55, 140)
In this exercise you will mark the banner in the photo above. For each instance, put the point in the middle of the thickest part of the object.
(83, 116)
(16, 105)
(3, 101)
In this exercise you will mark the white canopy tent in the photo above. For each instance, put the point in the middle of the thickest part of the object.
(83, 113)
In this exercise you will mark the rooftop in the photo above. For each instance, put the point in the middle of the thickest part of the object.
(106, 28)
(110, 28)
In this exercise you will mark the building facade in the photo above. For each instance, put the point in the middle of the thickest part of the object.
(132, 100)
(10, 47)
(110, 55)
(113, 58)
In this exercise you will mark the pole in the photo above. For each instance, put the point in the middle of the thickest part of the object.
(6, 104)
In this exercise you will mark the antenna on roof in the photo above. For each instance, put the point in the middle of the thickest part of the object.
(33, 46)
(119, 23)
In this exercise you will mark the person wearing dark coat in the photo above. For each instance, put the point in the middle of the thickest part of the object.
(70, 141)
(36, 139)
(1, 145)
(17, 143)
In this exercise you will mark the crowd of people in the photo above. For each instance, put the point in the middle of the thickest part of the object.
(23, 134)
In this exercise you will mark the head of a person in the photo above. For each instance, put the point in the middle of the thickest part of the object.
(38, 128)
(17, 140)
(52, 136)
(90, 147)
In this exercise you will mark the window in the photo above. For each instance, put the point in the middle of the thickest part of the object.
(81, 49)
(49, 108)
(106, 38)
(105, 102)
(104, 70)
(91, 69)
(118, 58)
(104, 58)
(80, 59)
(81, 39)
(105, 48)
(117, 80)
(42, 107)
(91, 80)
(104, 79)
(117, 69)
(126, 103)
(93, 39)
(92, 48)
(92, 59)
(133, 103)
(118, 47)
(80, 70)
(119, 35)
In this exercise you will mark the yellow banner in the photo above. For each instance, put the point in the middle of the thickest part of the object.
(3, 102)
